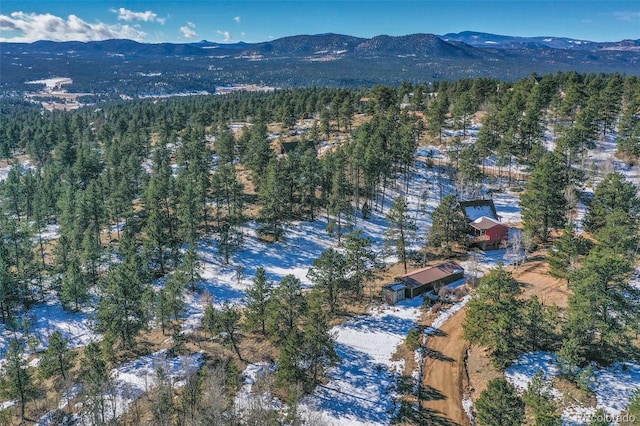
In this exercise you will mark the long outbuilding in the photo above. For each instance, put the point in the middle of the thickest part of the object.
(420, 281)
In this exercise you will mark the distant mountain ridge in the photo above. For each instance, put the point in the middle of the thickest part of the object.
(478, 39)
(133, 68)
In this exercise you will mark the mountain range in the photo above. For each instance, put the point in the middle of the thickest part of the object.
(133, 68)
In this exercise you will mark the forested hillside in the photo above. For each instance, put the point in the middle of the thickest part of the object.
(154, 251)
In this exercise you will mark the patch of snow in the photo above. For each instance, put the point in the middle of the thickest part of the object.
(613, 386)
(247, 397)
(361, 390)
(8, 404)
(467, 406)
(49, 317)
(134, 378)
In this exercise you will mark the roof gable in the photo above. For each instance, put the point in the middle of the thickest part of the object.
(483, 223)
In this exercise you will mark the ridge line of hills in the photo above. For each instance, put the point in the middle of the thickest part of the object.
(125, 66)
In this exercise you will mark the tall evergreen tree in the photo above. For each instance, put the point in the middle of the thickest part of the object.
(329, 277)
(362, 263)
(449, 225)
(74, 289)
(286, 308)
(257, 302)
(494, 316)
(121, 311)
(272, 209)
(56, 359)
(613, 193)
(17, 380)
(318, 345)
(400, 230)
(94, 375)
(567, 250)
(224, 320)
(543, 202)
(601, 317)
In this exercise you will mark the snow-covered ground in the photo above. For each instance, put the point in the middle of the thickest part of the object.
(612, 386)
(132, 379)
(46, 318)
(247, 397)
(361, 389)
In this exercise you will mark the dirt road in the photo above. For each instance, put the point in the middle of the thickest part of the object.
(444, 369)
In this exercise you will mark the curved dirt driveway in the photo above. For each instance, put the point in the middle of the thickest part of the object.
(444, 369)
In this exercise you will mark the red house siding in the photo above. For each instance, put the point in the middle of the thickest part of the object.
(497, 233)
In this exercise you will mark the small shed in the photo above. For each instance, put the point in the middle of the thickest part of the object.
(430, 278)
(488, 233)
(393, 293)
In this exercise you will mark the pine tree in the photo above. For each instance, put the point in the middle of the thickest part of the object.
(17, 380)
(601, 318)
(494, 317)
(224, 320)
(338, 204)
(121, 310)
(613, 194)
(448, 224)
(400, 230)
(286, 307)
(538, 325)
(499, 405)
(309, 181)
(318, 345)
(160, 205)
(272, 210)
(163, 309)
(289, 362)
(543, 202)
(163, 405)
(258, 151)
(95, 379)
(329, 276)
(56, 359)
(190, 269)
(174, 290)
(257, 302)
(469, 175)
(540, 400)
(566, 252)
(74, 289)
(229, 201)
(9, 297)
(361, 262)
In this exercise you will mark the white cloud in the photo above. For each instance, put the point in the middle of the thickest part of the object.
(627, 16)
(189, 30)
(237, 19)
(226, 35)
(30, 27)
(129, 15)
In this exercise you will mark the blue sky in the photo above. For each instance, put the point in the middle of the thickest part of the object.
(262, 20)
